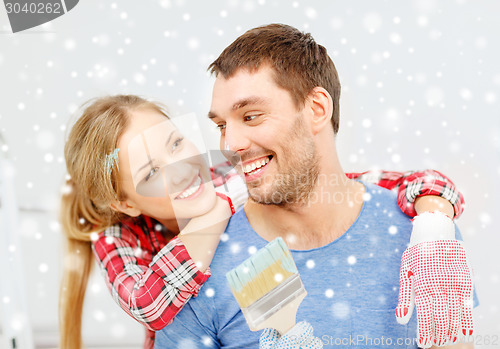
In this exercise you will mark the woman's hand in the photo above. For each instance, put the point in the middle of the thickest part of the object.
(221, 212)
(201, 235)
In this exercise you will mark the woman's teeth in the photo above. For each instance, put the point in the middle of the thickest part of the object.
(191, 190)
(255, 166)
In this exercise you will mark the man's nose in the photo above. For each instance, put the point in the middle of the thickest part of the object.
(235, 139)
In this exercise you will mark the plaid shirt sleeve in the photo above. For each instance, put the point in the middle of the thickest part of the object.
(410, 185)
(150, 289)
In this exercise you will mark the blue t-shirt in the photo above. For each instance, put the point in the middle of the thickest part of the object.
(352, 285)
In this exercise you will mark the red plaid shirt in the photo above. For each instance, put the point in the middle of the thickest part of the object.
(151, 278)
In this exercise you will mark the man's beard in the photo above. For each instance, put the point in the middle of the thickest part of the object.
(298, 171)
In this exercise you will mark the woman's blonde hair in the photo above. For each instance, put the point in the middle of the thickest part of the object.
(92, 184)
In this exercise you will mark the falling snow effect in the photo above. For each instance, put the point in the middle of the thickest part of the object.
(210, 292)
(329, 293)
(351, 260)
(393, 230)
(310, 264)
(341, 310)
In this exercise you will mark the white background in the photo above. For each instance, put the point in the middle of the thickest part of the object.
(420, 89)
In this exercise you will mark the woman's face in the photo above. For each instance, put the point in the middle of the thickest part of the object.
(163, 174)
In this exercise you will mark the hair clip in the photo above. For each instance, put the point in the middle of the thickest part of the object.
(110, 161)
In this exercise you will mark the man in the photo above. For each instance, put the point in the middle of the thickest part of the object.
(276, 102)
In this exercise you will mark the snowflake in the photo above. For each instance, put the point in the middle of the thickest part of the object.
(95, 288)
(210, 292)
(434, 96)
(311, 13)
(235, 248)
(49, 157)
(118, 330)
(99, 315)
(490, 98)
(466, 94)
(329, 293)
(55, 226)
(193, 43)
(43, 268)
(351, 260)
(70, 44)
(367, 196)
(139, 78)
(372, 22)
(310, 264)
(341, 310)
(206, 341)
(393, 230)
(481, 42)
(485, 218)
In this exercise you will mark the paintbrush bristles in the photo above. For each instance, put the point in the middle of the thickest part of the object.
(264, 282)
(261, 273)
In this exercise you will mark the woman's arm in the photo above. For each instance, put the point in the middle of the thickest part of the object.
(153, 290)
(432, 203)
(413, 185)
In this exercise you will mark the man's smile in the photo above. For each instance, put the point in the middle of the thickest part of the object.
(254, 169)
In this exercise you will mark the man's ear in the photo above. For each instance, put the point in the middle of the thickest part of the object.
(125, 207)
(321, 107)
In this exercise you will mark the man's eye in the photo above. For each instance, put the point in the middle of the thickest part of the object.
(177, 143)
(152, 173)
(249, 117)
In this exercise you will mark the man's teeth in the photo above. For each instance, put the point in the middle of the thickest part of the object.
(255, 165)
(191, 190)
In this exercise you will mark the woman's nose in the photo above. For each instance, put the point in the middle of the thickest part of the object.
(178, 172)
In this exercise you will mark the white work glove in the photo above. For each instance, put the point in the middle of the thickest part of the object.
(436, 277)
(298, 337)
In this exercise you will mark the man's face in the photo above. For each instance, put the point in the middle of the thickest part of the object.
(260, 122)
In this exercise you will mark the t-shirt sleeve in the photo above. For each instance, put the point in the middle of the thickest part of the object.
(190, 329)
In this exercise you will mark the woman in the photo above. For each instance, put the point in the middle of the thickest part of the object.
(140, 197)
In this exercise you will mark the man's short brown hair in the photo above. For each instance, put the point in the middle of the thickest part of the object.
(299, 63)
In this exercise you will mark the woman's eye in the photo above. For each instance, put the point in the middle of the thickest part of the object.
(221, 127)
(152, 173)
(177, 143)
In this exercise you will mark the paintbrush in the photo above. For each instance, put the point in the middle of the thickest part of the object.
(268, 288)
